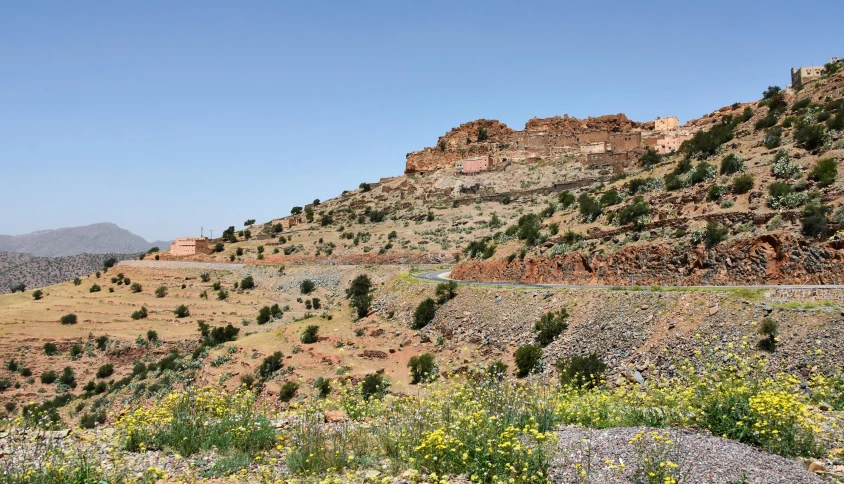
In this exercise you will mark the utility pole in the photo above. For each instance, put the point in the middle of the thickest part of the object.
(201, 231)
(212, 233)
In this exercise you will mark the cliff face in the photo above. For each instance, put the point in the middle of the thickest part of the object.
(541, 138)
(769, 259)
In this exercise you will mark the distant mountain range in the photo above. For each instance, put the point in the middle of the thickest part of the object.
(101, 238)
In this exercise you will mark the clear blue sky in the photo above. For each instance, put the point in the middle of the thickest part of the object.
(164, 116)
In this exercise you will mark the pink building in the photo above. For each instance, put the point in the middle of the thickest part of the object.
(189, 246)
(669, 144)
(476, 164)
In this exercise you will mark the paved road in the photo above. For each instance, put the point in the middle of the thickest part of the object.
(440, 276)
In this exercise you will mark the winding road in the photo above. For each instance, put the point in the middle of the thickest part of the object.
(441, 276)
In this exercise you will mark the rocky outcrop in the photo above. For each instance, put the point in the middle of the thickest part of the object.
(769, 259)
(559, 124)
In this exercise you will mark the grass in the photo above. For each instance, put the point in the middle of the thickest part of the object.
(809, 305)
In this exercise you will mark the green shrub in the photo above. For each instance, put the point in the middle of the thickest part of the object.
(68, 319)
(161, 291)
(95, 288)
(836, 122)
(136, 287)
(181, 311)
(307, 286)
(551, 325)
(37, 294)
(528, 228)
(634, 213)
(288, 391)
(140, 314)
(247, 283)
(527, 359)
(102, 342)
(650, 158)
(359, 295)
(706, 143)
(91, 420)
(824, 172)
(216, 285)
(714, 233)
(480, 249)
(270, 365)
(152, 336)
(590, 209)
(581, 371)
(773, 138)
(49, 377)
(497, 369)
(423, 368)
(742, 183)
(780, 189)
(374, 385)
(50, 349)
(814, 220)
(68, 377)
(264, 315)
(703, 171)
(768, 328)
(322, 386)
(310, 334)
(424, 313)
(732, 163)
(205, 277)
(808, 135)
(610, 198)
(446, 291)
(768, 121)
(566, 199)
(715, 192)
(75, 351)
(239, 251)
(77, 281)
(105, 371)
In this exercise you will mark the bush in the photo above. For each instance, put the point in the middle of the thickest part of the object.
(497, 369)
(102, 342)
(152, 336)
(218, 335)
(768, 121)
(480, 248)
(551, 325)
(322, 386)
(310, 334)
(773, 138)
(732, 163)
(48, 377)
(374, 385)
(566, 199)
(527, 359)
(91, 420)
(581, 371)
(68, 319)
(590, 209)
(742, 183)
(446, 291)
(824, 172)
(161, 291)
(105, 371)
(68, 377)
(650, 158)
(424, 313)
(768, 329)
(307, 286)
(527, 228)
(810, 136)
(270, 365)
(140, 314)
(247, 283)
(205, 277)
(706, 143)
(715, 192)
(814, 220)
(75, 351)
(610, 198)
(136, 287)
(780, 189)
(423, 368)
(239, 251)
(635, 212)
(264, 315)
(703, 171)
(182, 311)
(50, 349)
(95, 288)
(37, 294)
(288, 391)
(714, 234)
(771, 92)
(359, 296)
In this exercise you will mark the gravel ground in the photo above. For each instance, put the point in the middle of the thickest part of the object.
(170, 264)
(701, 459)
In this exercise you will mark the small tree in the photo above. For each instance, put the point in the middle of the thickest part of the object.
(424, 313)
(68, 319)
(270, 365)
(219, 246)
(322, 386)
(288, 391)
(48, 377)
(247, 283)
(423, 368)
(359, 296)
(307, 286)
(68, 377)
(264, 315)
(374, 385)
(714, 234)
(50, 349)
(551, 325)
(590, 209)
(581, 371)
(814, 220)
(161, 291)
(650, 158)
(446, 291)
(152, 336)
(95, 288)
(37, 294)
(731, 163)
(140, 314)
(182, 311)
(824, 172)
(527, 359)
(295, 210)
(136, 287)
(768, 329)
(310, 335)
(105, 371)
(742, 183)
(77, 281)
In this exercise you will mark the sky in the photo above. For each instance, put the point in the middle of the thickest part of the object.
(164, 117)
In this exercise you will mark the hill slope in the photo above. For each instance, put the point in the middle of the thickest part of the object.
(34, 272)
(100, 238)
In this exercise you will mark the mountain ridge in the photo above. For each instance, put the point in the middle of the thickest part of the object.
(98, 238)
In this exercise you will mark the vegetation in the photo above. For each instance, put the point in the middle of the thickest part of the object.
(824, 172)
(528, 359)
(288, 391)
(37, 294)
(714, 233)
(610, 197)
(105, 371)
(650, 158)
(140, 314)
(581, 371)
(307, 286)
(270, 365)
(482, 249)
(590, 209)
(68, 319)
(768, 329)
(181, 311)
(95, 288)
(635, 213)
(742, 183)
(446, 291)
(424, 313)
(706, 143)
(310, 334)
(247, 283)
(423, 368)
(359, 295)
(161, 291)
(732, 163)
(814, 220)
(810, 136)
(551, 325)
(374, 385)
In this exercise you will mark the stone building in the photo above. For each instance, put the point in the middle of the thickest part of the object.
(475, 164)
(190, 246)
(666, 124)
(594, 147)
(290, 221)
(669, 144)
(802, 75)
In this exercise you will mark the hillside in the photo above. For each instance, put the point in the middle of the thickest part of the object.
(100, 238)
(305, 349)
(35, 272)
